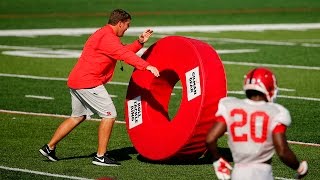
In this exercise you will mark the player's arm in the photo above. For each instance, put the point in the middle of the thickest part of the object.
(218, 129)
(285, 154)
(135, 46)
(221, 167)
(113, 48)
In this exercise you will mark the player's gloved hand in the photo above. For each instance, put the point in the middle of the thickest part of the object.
(222, 169)
(302, 170)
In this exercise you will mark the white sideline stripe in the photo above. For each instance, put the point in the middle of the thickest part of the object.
(221, 28)
(43, 173)
(278, 43)
(126, 84)
(310, 45)
(39, 97)
(235, 92)
(281, 178)
(247, 41)
(285, 89)
(271, 65)
(33, 77)
(120, 122)
(163, 29)
(22, 47)
(303, 143)
(281, 89)
(236, 51)
(297, 97)
(50, 78)
(281, 96)
(48, 115)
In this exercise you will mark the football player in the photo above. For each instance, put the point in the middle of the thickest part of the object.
(256, 127)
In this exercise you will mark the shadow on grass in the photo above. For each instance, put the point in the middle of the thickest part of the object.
(205, 159)
(123, 154)
(118, 154)
(76, 157)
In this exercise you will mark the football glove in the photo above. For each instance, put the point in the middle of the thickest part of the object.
(222, 169)
(302, 170)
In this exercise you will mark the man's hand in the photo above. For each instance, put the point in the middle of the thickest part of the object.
(222, 169)
(145, 36)
(302, 170)
(154, 70)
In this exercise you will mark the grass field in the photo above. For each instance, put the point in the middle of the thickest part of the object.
(27, 122)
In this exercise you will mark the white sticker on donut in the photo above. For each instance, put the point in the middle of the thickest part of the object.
(135, 112)
(193, 83)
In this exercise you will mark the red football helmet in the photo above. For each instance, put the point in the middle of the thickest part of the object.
(263, 80)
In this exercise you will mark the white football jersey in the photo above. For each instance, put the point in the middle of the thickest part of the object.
(250, 125)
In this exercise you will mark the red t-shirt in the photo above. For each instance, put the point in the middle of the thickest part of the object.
(99, 57)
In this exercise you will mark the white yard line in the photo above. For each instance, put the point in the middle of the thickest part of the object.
(50, 78)
(52, 98)
(303, 143)
(246, 41)
(163, 29)
(42, 173)
(286, 89)
(310, 45)
(297, 97)
(48, 115)
(39, 97)
(45, 53)
(281, 178)
(273, 65)
(282, 96)
(21, 47)
(33, 77)
(281, 89)
(236, 51)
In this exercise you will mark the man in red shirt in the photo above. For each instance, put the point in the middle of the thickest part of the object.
(94, 68)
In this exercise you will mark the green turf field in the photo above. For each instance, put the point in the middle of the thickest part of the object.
(292, 54)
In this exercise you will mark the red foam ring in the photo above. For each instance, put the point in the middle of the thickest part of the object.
(158, 137)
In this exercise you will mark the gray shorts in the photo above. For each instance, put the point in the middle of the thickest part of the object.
(86, 102)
